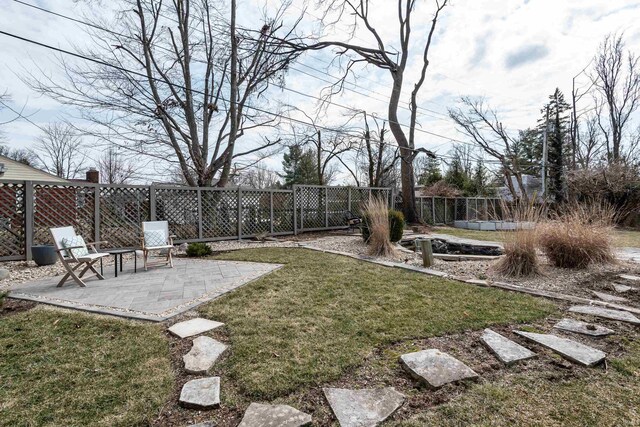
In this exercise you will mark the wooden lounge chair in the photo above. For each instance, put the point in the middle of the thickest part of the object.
(73, 253)
(156, 237)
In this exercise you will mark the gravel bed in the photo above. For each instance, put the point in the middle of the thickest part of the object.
(355, 245)
(568, 281)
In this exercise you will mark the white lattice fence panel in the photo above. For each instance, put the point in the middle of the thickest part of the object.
(122, 211)
(12, 220)
(180, 208)
(256, 212)
(219, 213)
(61, 206)
(282, 212)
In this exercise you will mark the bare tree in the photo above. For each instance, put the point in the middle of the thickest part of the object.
(114, 168)
(616, 76)
(375, 160)
(257, 177)
(198, 89)
(482, 125)
(61, 151)
(396, 62)
(589, 148)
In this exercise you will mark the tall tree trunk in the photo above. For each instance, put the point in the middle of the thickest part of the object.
(406, 153)
(233, 99)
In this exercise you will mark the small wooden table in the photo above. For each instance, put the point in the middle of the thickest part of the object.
(115, 253)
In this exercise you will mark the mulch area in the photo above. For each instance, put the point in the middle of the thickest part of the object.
(10, 306)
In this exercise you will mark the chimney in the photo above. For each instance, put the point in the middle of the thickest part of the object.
(93, 176)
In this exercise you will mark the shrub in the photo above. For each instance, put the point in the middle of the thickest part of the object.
(396, 226)
(195, 250)
(520, 257)
(579, 235)
(376, 215)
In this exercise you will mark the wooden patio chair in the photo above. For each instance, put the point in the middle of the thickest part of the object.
(73, 253)
(156, 237)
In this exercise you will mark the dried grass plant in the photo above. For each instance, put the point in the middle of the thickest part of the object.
(377, 215)
(578, 235)
(520, 257)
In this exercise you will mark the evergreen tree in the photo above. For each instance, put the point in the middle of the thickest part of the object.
(299, 167)
(478, 183)
(456, 174)
(557, 137)
(430, 173)
(528, 148)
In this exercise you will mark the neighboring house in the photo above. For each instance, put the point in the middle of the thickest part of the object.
(532, 187)
(11, 170)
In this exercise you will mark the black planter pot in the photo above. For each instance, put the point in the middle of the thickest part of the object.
(43, 254)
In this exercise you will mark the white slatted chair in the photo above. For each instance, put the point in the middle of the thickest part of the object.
(156, 237)
(73, 253)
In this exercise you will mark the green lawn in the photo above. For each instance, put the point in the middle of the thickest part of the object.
(318, 316)
(621, 238)
(321, 319)
(73, 369)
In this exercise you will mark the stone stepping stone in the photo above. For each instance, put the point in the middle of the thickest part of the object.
(436, 368)
(607, 313)
(193, 327)
(365, 407)
(585, 328)
(507, 351)
(259, 415)
(203, 355)
(621, 288)
(608, 298)
(629, 278)
(569, 349)
(203, 393)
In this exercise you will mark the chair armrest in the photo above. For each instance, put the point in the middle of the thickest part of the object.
(69, 247)
(101, 242)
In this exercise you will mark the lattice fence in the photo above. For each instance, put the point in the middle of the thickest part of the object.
(319, 207)
(441, 210)
(114, 213)
(12, 221)
(122, 210)
(63, 205)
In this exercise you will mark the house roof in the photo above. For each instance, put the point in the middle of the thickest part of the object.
(16, 171)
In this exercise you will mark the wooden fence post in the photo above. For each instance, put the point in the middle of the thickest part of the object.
(152, 202)
(295, 210)
(96, 213)
(433, 210)
(200, 234)
(29, 203)
(239, 213)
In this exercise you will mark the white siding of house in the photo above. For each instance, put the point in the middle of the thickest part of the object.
(16, 171)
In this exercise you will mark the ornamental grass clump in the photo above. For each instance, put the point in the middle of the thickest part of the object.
(376, 213)
(520, 257)
(579, 235)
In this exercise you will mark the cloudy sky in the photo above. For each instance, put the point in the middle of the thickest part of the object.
(514, 53)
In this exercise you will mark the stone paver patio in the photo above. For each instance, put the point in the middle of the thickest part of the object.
(155, 295)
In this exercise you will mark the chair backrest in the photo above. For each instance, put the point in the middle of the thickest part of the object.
(157, 226)
(60, 233)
